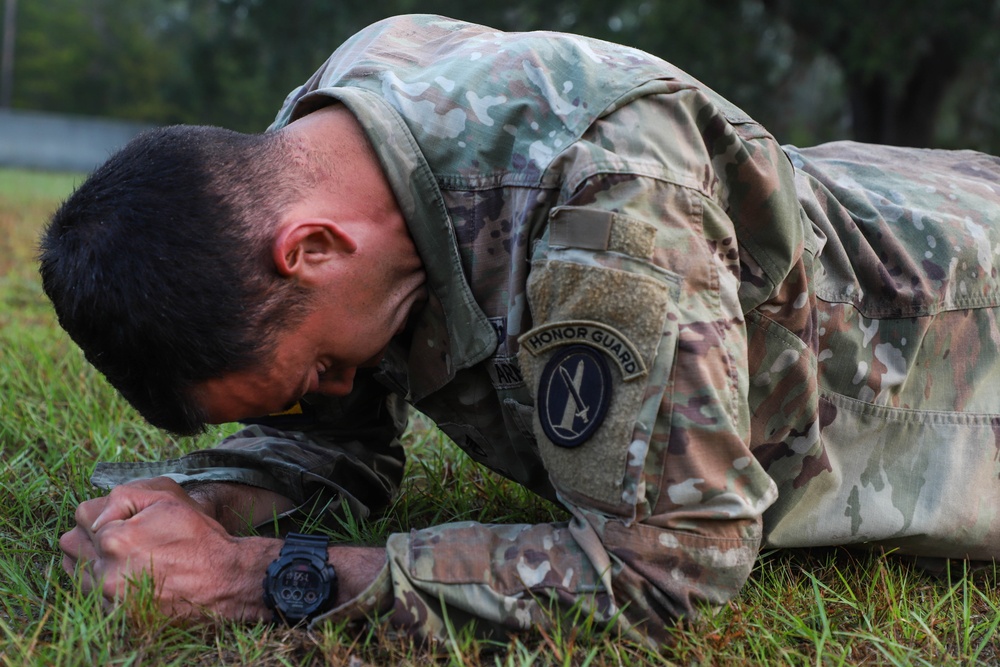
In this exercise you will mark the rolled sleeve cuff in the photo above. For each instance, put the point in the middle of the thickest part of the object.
(207, 466)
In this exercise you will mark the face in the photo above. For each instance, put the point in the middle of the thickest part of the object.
(356, 258)
(319, 355)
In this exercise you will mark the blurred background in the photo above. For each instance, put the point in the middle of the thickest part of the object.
(911, 72)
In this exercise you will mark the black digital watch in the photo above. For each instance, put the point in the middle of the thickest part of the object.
(300, 583)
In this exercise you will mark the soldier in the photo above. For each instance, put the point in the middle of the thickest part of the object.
(598, 277)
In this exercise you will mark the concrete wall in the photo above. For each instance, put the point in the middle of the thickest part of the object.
(60, 143)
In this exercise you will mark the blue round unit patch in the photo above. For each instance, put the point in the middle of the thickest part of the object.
(573, 395)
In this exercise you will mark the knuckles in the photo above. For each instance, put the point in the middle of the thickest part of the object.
(114, 542)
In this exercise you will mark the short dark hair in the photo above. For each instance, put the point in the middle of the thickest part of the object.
(159, 265)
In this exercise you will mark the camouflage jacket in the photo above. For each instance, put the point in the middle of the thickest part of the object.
(643, 308)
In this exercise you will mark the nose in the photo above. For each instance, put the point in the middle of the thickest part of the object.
(337, 382)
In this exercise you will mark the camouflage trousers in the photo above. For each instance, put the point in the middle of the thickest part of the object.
(876, 374)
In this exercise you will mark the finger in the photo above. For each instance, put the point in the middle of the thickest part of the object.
(82, 571)
(124, 502)
(122, 509)
(109, 605)
(79, 557)
(89, 510)
(127, 500)
(82, 562)
(69, 565)
(77, 544)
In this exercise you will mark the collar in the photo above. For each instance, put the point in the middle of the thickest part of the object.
(451, 332)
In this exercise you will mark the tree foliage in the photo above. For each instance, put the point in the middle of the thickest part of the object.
(900, 62)
(93, 57)
(919, 72)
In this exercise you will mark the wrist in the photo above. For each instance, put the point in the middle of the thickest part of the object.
(357, 568)
(245, 600)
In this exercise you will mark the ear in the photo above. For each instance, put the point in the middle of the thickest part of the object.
(305, 245)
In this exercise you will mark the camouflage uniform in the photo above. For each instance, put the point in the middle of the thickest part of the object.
(642, 307)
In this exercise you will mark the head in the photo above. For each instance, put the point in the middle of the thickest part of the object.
(160, 265)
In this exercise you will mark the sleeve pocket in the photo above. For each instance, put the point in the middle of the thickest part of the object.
(594, 408)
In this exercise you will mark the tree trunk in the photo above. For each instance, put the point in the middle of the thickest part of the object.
(902, 115)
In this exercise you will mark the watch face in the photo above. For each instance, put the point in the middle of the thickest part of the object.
(298, 589)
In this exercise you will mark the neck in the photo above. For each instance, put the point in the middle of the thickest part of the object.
(346, 182)
(333, 157)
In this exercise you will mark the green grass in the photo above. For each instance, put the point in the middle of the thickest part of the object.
(57, 417)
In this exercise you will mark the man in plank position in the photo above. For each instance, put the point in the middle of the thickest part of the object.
(599, 278)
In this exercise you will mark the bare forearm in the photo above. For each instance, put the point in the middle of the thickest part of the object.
(238, 507)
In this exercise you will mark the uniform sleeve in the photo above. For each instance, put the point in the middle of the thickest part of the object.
(329, 452)
(638, 369)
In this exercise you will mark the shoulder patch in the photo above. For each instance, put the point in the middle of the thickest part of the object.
(593, 334)
(573, 395)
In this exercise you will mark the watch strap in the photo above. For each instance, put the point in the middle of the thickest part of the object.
(302, 544)
(299, 547)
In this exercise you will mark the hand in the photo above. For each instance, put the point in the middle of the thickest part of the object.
(152, 526)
